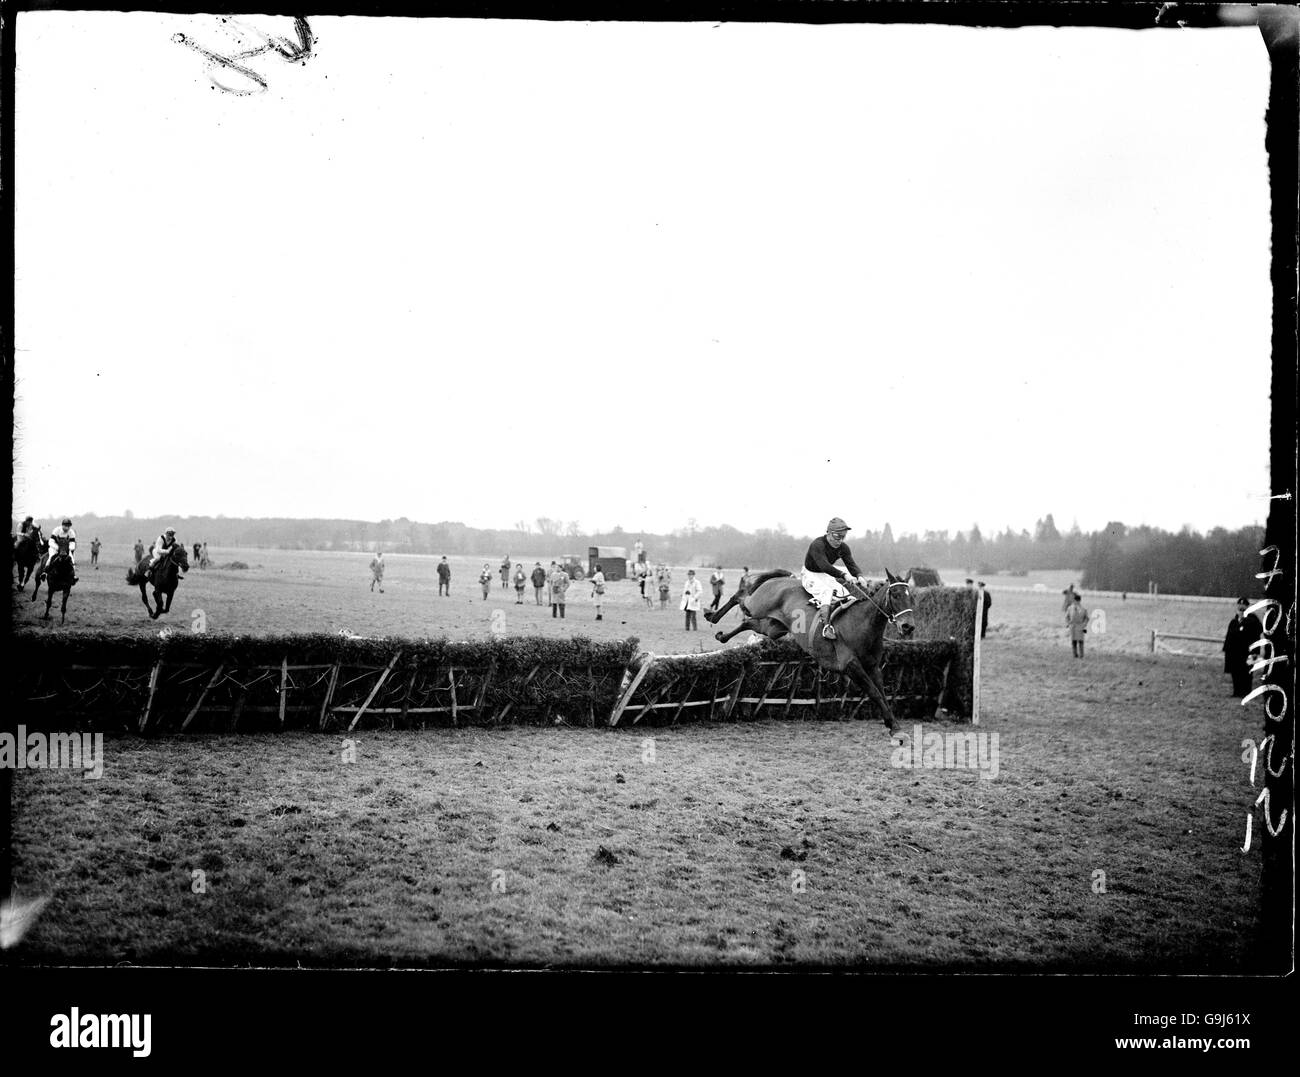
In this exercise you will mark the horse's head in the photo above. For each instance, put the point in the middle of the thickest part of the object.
(898, 604)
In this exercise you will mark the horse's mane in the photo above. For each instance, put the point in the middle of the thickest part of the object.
(763, 577)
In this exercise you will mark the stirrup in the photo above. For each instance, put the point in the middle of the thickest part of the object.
(828, 630)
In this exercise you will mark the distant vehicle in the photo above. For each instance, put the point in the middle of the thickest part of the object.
(572, 566)
(611, 560)
(923, 577)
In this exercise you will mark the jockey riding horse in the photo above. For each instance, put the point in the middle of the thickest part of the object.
(831, 576)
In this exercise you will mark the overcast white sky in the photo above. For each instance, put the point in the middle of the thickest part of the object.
(625, 273)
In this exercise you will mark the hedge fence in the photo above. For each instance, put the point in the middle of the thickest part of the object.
(208, 682)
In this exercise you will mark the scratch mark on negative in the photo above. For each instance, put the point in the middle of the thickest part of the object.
(230, 72)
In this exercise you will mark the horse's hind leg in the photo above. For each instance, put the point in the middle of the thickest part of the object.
(714, 616)
(764, 626)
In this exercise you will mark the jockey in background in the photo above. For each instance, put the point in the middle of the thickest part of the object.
(27, 525)
(830, 573)
(63, 540)
(165, 544)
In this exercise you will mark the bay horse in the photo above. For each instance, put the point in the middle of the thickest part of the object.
(28, 549)
(165, 578)
(775, 604)
(57, 573)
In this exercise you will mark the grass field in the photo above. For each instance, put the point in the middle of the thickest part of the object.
(301, 591)
(743, 844)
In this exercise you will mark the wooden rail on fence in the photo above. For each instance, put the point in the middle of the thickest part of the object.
(1156, 637)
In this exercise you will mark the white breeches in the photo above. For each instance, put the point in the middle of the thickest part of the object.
(822, 586)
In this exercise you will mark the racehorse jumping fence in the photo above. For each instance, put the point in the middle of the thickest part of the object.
(207, 682)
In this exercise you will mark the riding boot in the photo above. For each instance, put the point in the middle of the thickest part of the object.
(828, 629)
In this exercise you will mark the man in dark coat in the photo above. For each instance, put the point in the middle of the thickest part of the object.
(1243, 630)
(444, 578)
(988, 601)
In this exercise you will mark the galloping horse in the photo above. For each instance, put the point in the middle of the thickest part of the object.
(775, 605)
(57, 573)
(165, 577)
(28, 549)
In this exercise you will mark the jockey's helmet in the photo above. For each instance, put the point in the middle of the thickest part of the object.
(67, 522)
(170, 531)
(837, 524)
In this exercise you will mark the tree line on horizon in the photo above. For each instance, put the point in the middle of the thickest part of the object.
(1116, 558)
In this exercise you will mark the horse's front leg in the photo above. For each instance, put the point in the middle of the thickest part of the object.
(63, 613)
(874, 684)
(49, 601)
(144, 597)
(170, 595)
(36, 587)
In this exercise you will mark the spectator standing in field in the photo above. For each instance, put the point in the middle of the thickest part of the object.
(717, 581)
(485, 579)
(988, 601)
(539, 581)
(377, 571)
(598, 593)
(744, 578)
(94, 551)
(521, 581)
(197, 550)
(1243, 630)
(444, 577)
(203, 557)
(505, 572)
(665, 586)
(139, 550)
(1076, 617)
(1067, 600)
(648, 587)
(559, 585)
(691, 600)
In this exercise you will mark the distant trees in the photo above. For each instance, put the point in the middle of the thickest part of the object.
(1187, 563)
(1115, 558)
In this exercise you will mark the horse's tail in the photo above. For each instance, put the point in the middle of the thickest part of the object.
(763, 577)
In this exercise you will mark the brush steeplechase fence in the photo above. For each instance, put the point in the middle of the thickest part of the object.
(208, 682)
(778, 680)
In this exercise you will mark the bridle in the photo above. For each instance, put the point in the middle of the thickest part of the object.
(892, 618)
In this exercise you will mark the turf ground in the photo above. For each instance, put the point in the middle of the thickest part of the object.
(1110, 839)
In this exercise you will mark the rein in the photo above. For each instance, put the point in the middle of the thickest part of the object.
(892, 618)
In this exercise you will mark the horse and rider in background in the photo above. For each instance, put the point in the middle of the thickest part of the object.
(29, 550)
(163, 569)
(58, 568)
